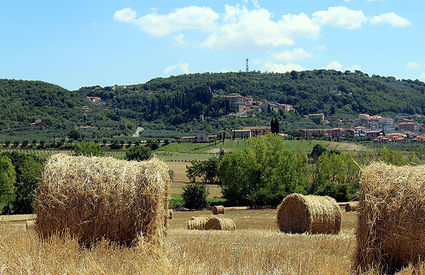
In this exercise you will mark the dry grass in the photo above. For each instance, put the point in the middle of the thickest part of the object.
(257, 247)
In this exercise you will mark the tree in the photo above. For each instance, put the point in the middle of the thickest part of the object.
(138, 153)
(207, 170)
(28, 169)
(74, 134)
(316, 152)
(195, 195)
(262, 174)
(7, 180)
(88, 149)
(336, 175)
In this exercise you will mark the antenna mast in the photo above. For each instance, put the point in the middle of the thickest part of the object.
(247, 68)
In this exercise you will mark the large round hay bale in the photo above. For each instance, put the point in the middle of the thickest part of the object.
(218, 209)
(351, 206)
(313, 214)
(93, 198)
(215, 223)
(391, 224)
(197, 223)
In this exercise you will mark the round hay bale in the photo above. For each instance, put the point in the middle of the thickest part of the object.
(170, 214)
(391, 224)
(197, 223)
(351, 206)
(218, 209)
(92, 198)
(30, 224)
(215, 223)
(313, 214)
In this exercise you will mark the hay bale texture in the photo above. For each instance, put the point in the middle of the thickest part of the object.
(218, 209)
(197, 223)
(351, 206)
(391, 219)
(312, 214)
(215, 223)
(92, 198)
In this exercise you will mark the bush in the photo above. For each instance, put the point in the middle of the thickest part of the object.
(7, 180)
(28, 169)
(88, 149)
(138, 153)
(195, 196)
(336, 175)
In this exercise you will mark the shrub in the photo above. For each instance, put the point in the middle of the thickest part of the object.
(7, 180)
(88, 149)
(28, 169)
(195, 195)
(138, 153)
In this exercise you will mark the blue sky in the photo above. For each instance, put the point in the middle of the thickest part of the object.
(105, 42)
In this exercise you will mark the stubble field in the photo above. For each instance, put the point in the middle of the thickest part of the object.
(256, 247)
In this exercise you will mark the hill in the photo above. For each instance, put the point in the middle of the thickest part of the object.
(24, 102)
(179, 99)
(189, 103)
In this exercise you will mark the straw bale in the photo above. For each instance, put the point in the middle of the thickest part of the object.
(197, 223)
(218, 209)
(313, 214)
(30, 224)
(391, 219)
(351, 206)
(215, 223)
(92, 198)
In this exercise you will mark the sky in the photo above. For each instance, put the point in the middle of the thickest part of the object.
(106, 42)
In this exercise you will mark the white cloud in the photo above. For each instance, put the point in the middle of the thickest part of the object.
(280, 68)
(422, 77)
(391, 19)
(192, 17)
(295, 54)
(126, 15)
(256, 4)
(335, 65)
(252, 29)
(300, 25)
(240, 28)
(321, 48)
(412, 65)
(375, 0)
(340, 17)
(183, 67)
(179, 39)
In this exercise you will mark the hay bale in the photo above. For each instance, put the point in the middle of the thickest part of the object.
(313, 214)
(170, 214)
(218, 209)
(391, 224)
(215, 223)
(93, 198)
(351, 206)
(197, 223)
(30, 224)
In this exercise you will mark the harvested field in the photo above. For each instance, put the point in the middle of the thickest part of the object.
(256, 247)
